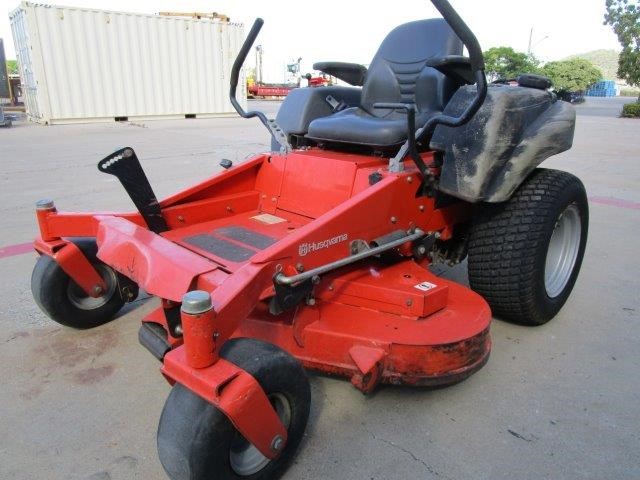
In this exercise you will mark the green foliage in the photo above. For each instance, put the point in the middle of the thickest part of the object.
(631, 110)
(629, 92)
(12, 67)
(605, 60)
(624, 17)
(572, 75)
(506, 63)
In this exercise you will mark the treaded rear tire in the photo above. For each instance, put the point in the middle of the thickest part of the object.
(508, 246)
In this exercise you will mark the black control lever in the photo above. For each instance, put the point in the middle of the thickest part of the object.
(235, 73)
(276, 132)
(124, 165)
(412, 148)
(476, 60)
(463, 32)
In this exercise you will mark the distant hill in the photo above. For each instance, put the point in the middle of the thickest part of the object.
(605, 60)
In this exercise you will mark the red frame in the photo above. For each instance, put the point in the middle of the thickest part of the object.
(233, 391)
(370, 322)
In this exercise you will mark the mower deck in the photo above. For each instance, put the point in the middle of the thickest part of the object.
(373, 323)
(373, 333)
(384, 332)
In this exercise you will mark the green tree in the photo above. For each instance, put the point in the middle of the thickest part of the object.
(506, 63)
(624, 17)
(573, 75)
(12, 67)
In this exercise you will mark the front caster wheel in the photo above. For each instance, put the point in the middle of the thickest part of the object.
(196, 441)
(64, 301)
(525, 254)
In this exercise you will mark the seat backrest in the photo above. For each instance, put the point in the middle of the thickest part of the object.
(398, 72)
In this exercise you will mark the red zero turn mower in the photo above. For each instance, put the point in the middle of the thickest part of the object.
(318, 254)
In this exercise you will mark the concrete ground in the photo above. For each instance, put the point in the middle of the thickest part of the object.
(560, 401)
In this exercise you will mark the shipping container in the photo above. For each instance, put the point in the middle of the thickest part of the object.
(84, 65)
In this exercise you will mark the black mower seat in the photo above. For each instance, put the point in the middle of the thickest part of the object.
(399, 73)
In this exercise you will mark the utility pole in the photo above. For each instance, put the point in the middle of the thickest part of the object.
(258, 63)
(532, 44)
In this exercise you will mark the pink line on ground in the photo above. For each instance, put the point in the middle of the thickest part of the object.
(12, 250)
(616, 202)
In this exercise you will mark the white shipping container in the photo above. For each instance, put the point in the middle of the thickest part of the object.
(80, 65)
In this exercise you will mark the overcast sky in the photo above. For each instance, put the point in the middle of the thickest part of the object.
(351, 30)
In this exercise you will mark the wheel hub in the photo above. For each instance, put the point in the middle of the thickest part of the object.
(562, 251)
(79, 297)
(244, 457)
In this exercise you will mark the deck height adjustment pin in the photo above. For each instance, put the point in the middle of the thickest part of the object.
(198, 328)
(45, 204)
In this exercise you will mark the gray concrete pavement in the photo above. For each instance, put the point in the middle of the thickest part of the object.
(560, 401)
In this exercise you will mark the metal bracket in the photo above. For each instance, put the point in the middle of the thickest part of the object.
(234, 392)
(332, 102)
(279, 136)
(282, 279)
(409, 147)
(289, 296)
(74, 263)
(172, 317)
(370, 363)
(357, 246)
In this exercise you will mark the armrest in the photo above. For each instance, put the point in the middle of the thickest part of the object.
(352, 73)
(455, 66)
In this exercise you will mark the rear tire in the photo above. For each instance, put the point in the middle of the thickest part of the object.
(525, 254)
(196, 441)
(64, 301)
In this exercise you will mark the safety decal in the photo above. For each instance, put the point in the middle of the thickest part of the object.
(425, 286)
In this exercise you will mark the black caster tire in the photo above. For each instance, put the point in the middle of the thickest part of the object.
(525, 254)
(60, 298)
(196, 441)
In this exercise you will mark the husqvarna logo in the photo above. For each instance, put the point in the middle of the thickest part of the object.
(308, 247)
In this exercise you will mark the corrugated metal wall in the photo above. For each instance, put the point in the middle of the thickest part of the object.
(90, 65)
(22, 43)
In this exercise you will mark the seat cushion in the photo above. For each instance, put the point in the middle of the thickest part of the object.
(399, 73)
(354, 125)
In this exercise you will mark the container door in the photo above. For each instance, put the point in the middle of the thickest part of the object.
(25, 63)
